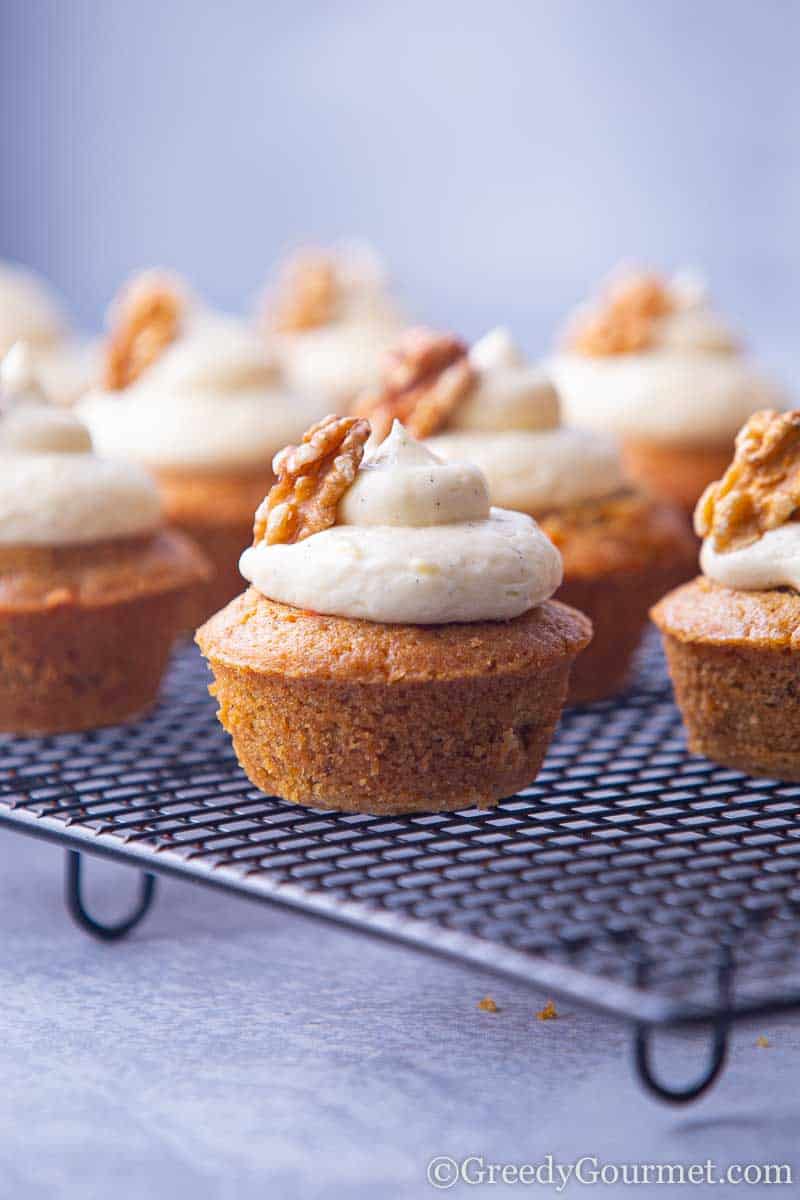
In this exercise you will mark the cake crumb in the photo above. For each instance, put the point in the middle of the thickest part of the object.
(763, 1042)
(487, 1004)
(548, 1013)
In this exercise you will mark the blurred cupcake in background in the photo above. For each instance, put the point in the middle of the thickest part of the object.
(331, 317)
(31, 313)
(197, 397)
(652, 361)
(489, 407)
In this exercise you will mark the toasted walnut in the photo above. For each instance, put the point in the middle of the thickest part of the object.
(147, 317)
(308, 293)
(760, 489)
(424, 379)
(312, 478)
(625, 320)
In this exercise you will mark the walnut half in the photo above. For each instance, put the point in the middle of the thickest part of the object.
(147, 317)
(625, 320)
(760, 489)
(312, 478)
(424, 379)
(308, 293)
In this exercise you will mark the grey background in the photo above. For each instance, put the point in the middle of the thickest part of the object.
(503, 156)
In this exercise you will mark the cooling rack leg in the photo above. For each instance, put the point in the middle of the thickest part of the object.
(719, 1041)
(74, 898)
(678, 1095)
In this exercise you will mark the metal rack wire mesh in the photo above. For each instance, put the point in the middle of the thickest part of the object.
(623, 877)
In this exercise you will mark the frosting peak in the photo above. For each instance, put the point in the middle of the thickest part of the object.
(404, 484)
(415, 543)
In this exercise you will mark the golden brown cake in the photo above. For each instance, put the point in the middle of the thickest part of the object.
(732, 636)
(620, 549)
(653, 363)
(195, 397)
(397, 651)
(93, 591)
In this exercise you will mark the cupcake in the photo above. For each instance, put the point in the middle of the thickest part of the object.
(732, 636)
(653, 363)
(92, 588)
(397, 650)
(195, 397)
(30, 312)
(330, 319)
(621, 550)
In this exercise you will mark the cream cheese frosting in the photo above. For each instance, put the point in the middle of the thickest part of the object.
(770, 562)
(29, 310)
(508, 426)
(53, 489)
(691, 385)
(416, 542)
(215, 399)
(339, 358)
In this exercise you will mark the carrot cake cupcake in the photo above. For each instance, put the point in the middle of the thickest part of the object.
(398, 650)
(732, 636)
(196, 398)
(30, 312)
(652, 362)
(621, 550)
(331, 318)
(92, 588)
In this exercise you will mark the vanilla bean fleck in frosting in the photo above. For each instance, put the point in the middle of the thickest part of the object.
(415, 542)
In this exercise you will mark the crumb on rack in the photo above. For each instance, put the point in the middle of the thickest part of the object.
(487, 1004)
(548, 1013)
(763, 1042)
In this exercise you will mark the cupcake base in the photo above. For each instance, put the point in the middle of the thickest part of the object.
(735, 663)
(215, 510)
(86, 632)
(676, 473)
(360, 717)
(620, 555)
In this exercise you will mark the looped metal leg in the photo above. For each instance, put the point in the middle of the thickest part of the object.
(106, 933)
(718, 1052)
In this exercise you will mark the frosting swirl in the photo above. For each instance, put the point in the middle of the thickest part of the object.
(508, 426)
(214, 399)
(28, 309)
(771, 562)
(691, 383)
(53, 489)
(416, 543)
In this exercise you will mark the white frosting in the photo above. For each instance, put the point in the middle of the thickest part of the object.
(393, 559)
(692, 385)
(214, 399)
(338, 359)
(29, 310)
(508, 426)
(772, 561)
(53, 489)
(534, 472)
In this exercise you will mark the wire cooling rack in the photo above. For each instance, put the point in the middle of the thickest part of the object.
(631, 876)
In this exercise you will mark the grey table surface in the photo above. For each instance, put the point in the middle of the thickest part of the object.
(228, 1049)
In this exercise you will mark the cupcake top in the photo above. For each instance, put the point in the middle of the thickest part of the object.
(652, 359)
(394, 536)
(29, 310)
(749, 520)
(189, 389)
(54, 490)
(488, 406)
(330, 318)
